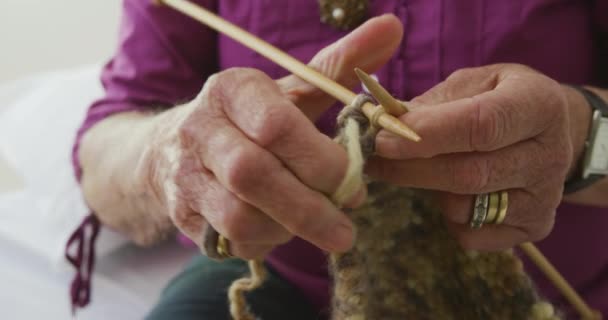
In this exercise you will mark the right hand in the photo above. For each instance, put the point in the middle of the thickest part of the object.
(245, 156)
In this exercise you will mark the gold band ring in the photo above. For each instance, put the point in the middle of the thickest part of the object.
(223, 247)
(497, 209)
(504, 204)
(493, 208)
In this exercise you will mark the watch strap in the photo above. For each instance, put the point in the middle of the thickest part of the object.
(595, 102)
(577, 182)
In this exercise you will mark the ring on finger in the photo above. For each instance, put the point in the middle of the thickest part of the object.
(497, 208)
(503, 206)
(489, 208)
(480, 211)
(223, 247)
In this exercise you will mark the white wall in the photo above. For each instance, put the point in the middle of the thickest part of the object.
(41, 35)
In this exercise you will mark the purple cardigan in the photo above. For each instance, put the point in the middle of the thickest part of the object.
(163, 58)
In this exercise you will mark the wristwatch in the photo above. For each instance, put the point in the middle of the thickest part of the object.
(595, 160)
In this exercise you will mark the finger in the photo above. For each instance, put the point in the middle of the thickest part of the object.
(207, 202)
(526, 212)
(201, 200)
(463, 83)
(179, 191)
(189, 222)
(485, 122)
(516, 166)
(236, 219)
(488, 238)
(368, 47)
(258, 178)
(248, 251)
(270, 120)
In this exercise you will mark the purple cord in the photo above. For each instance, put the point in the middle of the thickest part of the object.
(83, 261)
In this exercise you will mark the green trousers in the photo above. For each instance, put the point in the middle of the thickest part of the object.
(200, 293)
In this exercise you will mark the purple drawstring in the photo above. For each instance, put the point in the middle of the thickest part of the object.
(84, 239)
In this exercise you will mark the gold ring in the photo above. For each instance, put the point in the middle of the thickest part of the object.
(504, 204)
(223, 247)
(492, 207)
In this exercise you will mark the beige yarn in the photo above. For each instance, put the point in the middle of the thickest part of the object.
(353, 179)
(238, 289)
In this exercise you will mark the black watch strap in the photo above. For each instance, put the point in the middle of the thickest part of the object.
(594, 100)
(577, 182)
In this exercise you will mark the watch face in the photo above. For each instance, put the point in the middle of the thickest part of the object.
(599, 152)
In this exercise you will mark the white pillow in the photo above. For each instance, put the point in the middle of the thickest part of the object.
(39, 117)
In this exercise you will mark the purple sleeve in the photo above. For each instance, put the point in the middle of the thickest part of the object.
(163, 58)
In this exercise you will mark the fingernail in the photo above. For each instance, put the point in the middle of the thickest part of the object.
(341, 237)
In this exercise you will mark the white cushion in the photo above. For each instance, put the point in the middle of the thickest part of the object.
(39, 117)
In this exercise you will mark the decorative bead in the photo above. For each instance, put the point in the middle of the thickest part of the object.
(338, 14)
(343, 14)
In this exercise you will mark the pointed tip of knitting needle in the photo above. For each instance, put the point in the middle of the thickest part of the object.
(389, 122)
(397, 127)
(390, 104)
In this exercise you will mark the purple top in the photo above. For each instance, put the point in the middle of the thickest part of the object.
(164, 59)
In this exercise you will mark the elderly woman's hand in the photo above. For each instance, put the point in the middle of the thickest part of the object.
(493, 128)
(245, 157)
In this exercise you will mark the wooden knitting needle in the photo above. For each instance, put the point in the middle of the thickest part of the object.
(288, 62)
(386, 100)
(395, 107)
(558, 280)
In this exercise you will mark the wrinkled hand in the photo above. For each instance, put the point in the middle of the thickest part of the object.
(245, 156)
(499, 127)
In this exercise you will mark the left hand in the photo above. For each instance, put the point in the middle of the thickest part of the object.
(486, 129)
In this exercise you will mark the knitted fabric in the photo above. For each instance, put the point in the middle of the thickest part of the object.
(405, 265)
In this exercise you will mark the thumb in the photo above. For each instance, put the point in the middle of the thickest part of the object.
(368, 47)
